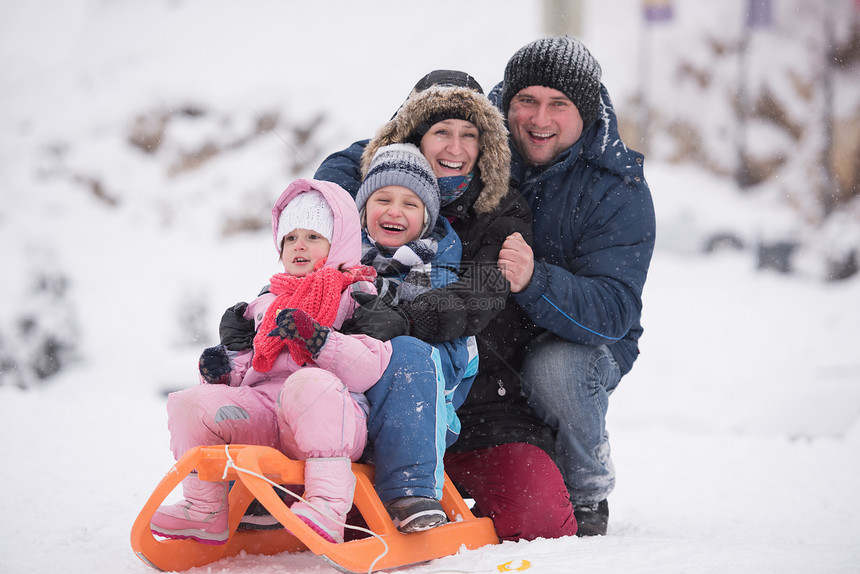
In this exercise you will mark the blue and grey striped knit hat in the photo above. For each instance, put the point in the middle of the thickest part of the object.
(402, 164)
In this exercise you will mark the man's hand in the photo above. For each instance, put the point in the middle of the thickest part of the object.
(517, 262)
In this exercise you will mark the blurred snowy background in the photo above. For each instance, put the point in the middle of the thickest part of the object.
(141, 146)
(181, 120)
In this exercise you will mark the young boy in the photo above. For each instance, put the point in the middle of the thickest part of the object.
(413, 250)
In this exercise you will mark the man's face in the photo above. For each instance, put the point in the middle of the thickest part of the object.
(543, 123)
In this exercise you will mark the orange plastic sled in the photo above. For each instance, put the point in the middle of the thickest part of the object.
(357, 556)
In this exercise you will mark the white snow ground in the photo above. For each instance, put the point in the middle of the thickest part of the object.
(736, 437)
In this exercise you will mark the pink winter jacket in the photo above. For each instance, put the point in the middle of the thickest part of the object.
(358, 360)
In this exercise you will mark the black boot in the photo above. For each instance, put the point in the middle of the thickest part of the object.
(591, 519)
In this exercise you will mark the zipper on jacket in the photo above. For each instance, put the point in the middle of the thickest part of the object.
(502, 392)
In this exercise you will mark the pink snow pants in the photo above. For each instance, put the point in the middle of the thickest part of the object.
(310, 415)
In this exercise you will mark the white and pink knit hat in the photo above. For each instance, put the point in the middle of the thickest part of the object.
(308, 210)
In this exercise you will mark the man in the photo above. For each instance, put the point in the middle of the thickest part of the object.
(594, 230)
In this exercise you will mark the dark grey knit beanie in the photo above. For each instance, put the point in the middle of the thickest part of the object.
(562, 63)
(404, 165)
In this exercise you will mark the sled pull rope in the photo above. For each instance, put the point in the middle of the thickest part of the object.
(232, 464)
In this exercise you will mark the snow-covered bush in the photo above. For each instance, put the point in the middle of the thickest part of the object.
(772, 105)
(41, 337)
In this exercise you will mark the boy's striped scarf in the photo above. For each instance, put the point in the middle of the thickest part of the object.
(408, 266)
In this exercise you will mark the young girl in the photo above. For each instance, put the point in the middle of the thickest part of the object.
(299, 388)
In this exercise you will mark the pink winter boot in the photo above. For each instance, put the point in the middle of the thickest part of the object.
(329, 488)
(202, 515)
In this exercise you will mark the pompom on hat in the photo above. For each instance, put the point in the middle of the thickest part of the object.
(561, 63)
(308, 210)
(402, 164)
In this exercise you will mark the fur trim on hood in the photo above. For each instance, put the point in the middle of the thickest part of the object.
(494, 159)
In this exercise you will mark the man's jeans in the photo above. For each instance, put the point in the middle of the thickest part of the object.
(568, 386)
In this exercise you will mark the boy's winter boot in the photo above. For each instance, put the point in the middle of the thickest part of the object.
(202, 515)
(329, 488)
(415, 513)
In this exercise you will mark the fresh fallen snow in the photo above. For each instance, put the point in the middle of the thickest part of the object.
(735, 438)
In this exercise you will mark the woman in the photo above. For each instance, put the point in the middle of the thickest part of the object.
(464, 138)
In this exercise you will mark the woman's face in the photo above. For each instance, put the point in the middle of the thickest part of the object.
(451, 147)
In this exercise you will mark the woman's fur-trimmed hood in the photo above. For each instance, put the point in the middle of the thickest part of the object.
(494, 159)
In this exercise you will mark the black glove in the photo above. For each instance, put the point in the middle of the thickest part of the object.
(215, 365)
(376, 318)
(236, 332)
(436, 316)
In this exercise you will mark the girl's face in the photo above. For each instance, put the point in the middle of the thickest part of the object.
(301, 250)
(451, 147)
(394, 215)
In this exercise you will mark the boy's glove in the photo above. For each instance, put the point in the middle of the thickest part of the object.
(215, 365)
(374, 317)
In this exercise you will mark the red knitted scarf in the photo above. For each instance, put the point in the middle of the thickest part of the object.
(318, 294)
